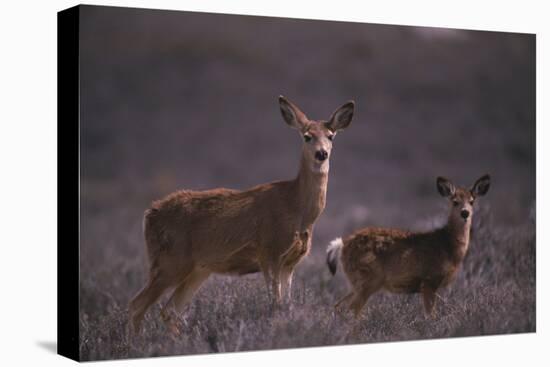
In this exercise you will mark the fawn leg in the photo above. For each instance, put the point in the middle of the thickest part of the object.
(362, 296)
(341, 303)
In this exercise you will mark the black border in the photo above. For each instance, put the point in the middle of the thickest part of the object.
(68, 182)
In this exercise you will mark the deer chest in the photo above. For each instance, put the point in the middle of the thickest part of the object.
(300, 246)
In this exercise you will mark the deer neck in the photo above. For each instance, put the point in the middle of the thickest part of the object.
(459, 236)
(310, 191)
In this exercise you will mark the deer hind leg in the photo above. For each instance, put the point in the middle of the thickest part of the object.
(145, 298)
(185, 291)
(428, 297)
(369, 284)
(360, 299)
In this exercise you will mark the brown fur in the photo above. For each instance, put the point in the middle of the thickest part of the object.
(268, 228)
(405, 262)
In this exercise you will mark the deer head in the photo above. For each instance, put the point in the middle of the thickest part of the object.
(317, 135)
(462, 200)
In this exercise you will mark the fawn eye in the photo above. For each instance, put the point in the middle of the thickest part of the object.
(455, 203)
(307, 138)
(330, 137)
(471, 202)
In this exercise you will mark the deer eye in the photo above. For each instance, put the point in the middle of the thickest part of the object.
(455, 203)
(307, 138)
(330, 137)
(471, 202)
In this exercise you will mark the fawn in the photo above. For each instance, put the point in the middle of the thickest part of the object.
(406, 262)
(268, 228)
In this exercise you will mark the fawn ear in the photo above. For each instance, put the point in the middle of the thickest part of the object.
(292, 115)
(341, 118)
(445, 187)
(481, 186)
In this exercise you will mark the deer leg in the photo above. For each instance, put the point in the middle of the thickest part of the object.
(428, 297)
(276, 287)
(286, 283)
(272, 277)
(357, 303)
(341, 303)
(290, 259)
(183, 294)
(145, 298)
(267, 277)
(360, 298)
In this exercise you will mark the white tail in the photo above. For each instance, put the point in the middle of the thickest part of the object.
(333, 254)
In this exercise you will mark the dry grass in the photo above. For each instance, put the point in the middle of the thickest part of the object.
(494, 294)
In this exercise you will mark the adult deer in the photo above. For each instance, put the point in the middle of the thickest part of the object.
(190, 235)
(407, 262)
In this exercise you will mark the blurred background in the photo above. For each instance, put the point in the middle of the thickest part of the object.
(173, 100)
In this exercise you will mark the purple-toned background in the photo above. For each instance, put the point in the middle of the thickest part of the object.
(174, 100)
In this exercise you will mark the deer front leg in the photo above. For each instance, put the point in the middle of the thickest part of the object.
(267, 278)
(286, 283)
(339, 306)
(290, 258)
(276, 287)
(273, 284)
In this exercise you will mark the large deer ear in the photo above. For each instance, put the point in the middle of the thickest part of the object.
(292, 115)
(341, 118)
(481, 186)
(445, 187)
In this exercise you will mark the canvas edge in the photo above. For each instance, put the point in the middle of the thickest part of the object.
(68, 185)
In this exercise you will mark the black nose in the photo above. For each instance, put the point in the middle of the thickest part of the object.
(464, 213)
(321, 155)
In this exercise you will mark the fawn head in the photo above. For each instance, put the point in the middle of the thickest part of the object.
(462, 200)
(317, 135)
